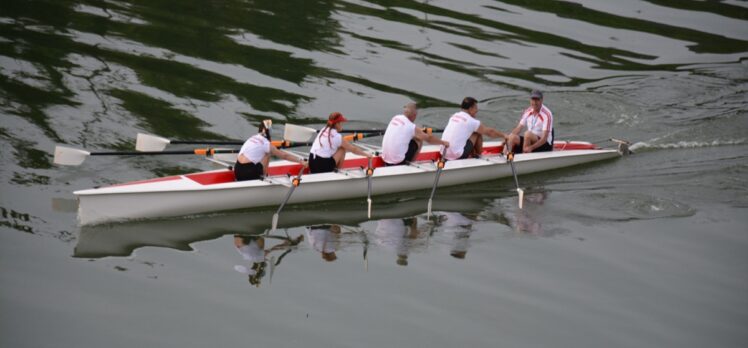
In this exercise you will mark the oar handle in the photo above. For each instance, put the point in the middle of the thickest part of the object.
(428, 130)
(204, 152)
(206, 142)
(276, 143)
(359, 136)
(284, 144)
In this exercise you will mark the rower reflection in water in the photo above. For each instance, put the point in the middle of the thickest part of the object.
(324, 239)
(252, 249)
(460, 227)
(398, 235)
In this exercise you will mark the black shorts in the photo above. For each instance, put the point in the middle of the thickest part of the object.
(543, 148)
(319, 164)
(248, 171)
(409, 155)
(467, 150)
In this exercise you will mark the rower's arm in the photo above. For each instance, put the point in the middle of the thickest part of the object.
(429, 138)
(285, 155)
(490, 132)
(353, 148)
(517, 129)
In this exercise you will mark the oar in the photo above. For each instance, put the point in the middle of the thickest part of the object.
(510, 159)
(369, 173)
(295, 182)
(147, 142)
(72, 157)
(366, 258)
(301, 134)
(439, 167)
(428, 130)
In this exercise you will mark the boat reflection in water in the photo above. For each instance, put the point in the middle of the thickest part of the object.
(399, 226)
(121, 239)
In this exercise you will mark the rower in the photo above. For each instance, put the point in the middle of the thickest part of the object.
(329, 148)
(538, 119)
(254, 156)
(465, 133)
(324, 239)
(403, 140)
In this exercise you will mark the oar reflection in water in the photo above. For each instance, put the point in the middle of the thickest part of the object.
(524, 222)
(253, 250)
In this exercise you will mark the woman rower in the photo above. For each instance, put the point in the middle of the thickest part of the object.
(254, 156)
(329, 148)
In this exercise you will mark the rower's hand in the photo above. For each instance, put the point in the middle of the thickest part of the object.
(445, 144)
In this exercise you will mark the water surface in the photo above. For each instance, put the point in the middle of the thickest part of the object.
(643, 251)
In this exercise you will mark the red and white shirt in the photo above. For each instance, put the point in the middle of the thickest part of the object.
(537, 123)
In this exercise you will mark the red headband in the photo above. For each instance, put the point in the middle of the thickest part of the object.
(336, 117)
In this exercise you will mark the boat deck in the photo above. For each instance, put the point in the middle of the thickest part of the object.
(285, 168)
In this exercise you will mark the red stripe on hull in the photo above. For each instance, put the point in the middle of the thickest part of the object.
(213, 178)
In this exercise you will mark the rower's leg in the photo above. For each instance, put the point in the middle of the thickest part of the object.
(530, 139)
(477, 140)
(419, 144)
(265, 163)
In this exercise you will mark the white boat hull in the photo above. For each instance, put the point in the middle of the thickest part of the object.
(181, 195)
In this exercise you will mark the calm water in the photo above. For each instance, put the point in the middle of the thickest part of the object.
(649, 250)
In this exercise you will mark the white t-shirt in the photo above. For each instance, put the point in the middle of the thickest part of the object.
(398, 135)
(460, 127)
(539, 123)
(252, 252)
(322, 147)
(320, 239)
(459, 226)
(392, 234)
(255, 148)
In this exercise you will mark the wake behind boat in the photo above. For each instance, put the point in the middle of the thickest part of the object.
(217, 190)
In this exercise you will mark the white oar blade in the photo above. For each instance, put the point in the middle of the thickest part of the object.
(69, 156)
(428, 211)
(521, 197)
(369, 202)
(275, 222)
(299, 134)
(147, 142)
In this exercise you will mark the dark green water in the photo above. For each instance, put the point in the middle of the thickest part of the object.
(649, 250)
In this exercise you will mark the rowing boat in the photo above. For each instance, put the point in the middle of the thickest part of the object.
(216, 190)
